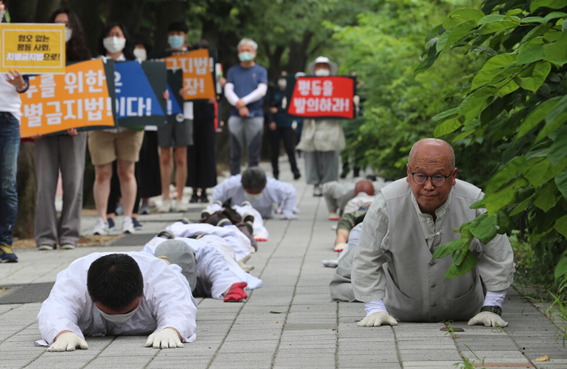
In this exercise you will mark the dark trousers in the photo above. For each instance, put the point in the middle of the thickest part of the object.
(288, 136)
(9, 150)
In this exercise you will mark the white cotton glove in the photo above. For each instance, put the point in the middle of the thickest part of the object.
(488, 319)
(68, 341)
(340, 247)
(242, 264)
(377, 319)
(167, 338)
(288, 215)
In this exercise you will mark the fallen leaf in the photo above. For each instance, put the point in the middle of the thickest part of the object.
(543, 358)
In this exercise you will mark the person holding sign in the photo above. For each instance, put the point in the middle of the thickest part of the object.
(120, 144)
(175, 136)
(11, 85)
(246, 85)
(63, 152)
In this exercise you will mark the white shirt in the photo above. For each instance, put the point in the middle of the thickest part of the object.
(10, 101)
(258, 226)
(356, 202)
(167, 302)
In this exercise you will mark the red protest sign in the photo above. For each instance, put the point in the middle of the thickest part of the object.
(322, 97)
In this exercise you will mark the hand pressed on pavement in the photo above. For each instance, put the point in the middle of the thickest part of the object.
(488, 319)
(166, 338)
(377, 319)
(236, 292)
(68, 341)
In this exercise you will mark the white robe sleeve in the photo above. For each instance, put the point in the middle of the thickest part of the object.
(229, 94)
(213, 267)
(283, 194)
(226, 189)
(257, 94)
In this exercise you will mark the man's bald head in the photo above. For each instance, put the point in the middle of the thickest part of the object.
(364, 185)
(433, 151)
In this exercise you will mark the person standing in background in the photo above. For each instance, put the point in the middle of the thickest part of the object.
(201, 157)
(11, 85)
(246, 85)
(63, 152)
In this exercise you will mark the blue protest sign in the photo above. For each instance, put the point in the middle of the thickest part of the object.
(173, 107)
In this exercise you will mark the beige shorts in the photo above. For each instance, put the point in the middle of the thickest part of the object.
(105, 147)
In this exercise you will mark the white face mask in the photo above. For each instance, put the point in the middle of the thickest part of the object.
(114, 44)
(117, 318)
(140, 54)
(68, 34)
(322, 72)
(282, 83)
(252, 197)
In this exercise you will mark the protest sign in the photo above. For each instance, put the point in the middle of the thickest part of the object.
(79, 98)
(198, 69)
(139, 93)
(32, 48)
(174, 108)
(323, 97)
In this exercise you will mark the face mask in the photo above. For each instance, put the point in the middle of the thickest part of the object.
(175, 41)
(114, 44)
(68, 34)
(252, 197)
(140, 54)
(322, 73)
(246, 56)
(117, 318)
(282, 83)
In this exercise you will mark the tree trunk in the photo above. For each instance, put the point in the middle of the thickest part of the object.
(298, 53)
(44, 10)
(27, 187)
(128, 12)
(89, 13)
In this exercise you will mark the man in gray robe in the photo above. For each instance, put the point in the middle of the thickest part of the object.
(393, 272)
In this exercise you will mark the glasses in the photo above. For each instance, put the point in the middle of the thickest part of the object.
(437, 180)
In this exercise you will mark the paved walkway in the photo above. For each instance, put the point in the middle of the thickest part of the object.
(289, 323)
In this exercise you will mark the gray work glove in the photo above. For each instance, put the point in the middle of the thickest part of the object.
(377, 319)
(488, 319)
(68, 341)
(167, 338)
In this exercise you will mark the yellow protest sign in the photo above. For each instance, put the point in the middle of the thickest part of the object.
(79, 98)
(32, 48)
(198, 71)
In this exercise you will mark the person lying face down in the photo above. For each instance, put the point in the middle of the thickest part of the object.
(129, 293)
(261, 192)
(250, 217)
(393, 272)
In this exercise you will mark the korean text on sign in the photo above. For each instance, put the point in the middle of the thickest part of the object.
(32, 48)
(323, 97)
(79, 98)
(198, 69)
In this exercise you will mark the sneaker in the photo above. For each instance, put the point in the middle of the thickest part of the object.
(317, 191)
(137, 225)
(119, 209)
(67, 246)
(165, 207)
(205, 213)
(183, 220)
(194, 198)
(330, 263)
(224, 222)
(128, 225)
(46, 247)
(166, 234)
(111, 224)
(245, 203)
(145, 209)
(7, 255)
(180, 206)
(203, 198)
(296, 176)
(100, 228)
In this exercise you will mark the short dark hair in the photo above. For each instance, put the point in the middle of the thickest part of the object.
(115, 281)
(177, 26)
(201, 44)
(128, 48)
(254, 178)
(141, 39)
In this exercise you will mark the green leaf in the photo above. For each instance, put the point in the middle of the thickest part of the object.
(531, 53)
(561, 183)
(459, 31)
(504, 222)
(557, 110)
(546, 197)
(504, 175)
(564, 26)
(505, 196)
(558, 150)
(428, 62)
(551, 4)
(483, 228)
(561, 225)
(480, 204)
(447, 249)
(443, 39)
(561, 267)
(556, 52)
(445, 115)
(446, 127)
(551, 127)
(538, 171)
(474, 104)
(537, 115)
(491, 18)
(461, 15)
(466, 266)
(463, 135)
(491, 68)
(532, 78)
(499, 26)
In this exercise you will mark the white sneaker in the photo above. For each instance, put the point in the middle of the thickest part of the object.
(180, 206)
(317, 191)
(67, 246)
(100, 228)
(330, 263)
(165, 207)
(128, 225)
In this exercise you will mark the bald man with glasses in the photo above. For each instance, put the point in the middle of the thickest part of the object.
(393, 271)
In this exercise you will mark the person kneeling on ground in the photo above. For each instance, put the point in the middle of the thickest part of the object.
(393, 272)
(112, 294)
(346, 224)
(260, 191)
